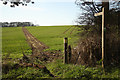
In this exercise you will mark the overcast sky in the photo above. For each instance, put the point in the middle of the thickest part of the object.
(43, 12)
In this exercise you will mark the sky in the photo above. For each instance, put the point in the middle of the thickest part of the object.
(43, 12)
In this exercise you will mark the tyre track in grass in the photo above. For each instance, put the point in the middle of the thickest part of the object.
(38, 48)
(37, 51)
(35, 44)
(38, 54)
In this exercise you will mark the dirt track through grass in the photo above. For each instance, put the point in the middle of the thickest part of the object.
(37, 48)
(35, 44)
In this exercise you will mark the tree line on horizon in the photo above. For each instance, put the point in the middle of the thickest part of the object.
(16, 24)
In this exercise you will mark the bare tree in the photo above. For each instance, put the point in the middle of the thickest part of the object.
(92, 28)
(90, 8)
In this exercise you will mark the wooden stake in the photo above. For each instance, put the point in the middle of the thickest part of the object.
(65, 50)
(103, 41)
(69, 47)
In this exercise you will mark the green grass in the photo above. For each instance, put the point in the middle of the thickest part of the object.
(13, 45)
(14, 42)
(53, 36)
(26, 72)
(81, 72)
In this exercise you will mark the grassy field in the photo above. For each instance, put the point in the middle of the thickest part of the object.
(53, 36)
(14, 43)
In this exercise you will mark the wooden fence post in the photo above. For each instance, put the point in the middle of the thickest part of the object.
(65, 50)
(69, 49)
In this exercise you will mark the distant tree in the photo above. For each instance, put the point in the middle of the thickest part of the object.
(16, 24)
(5, 24)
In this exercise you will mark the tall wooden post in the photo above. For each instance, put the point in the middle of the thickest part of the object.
(105, 24)
(104, 13)
(65, 50)
(103, 37)
(103, 34)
